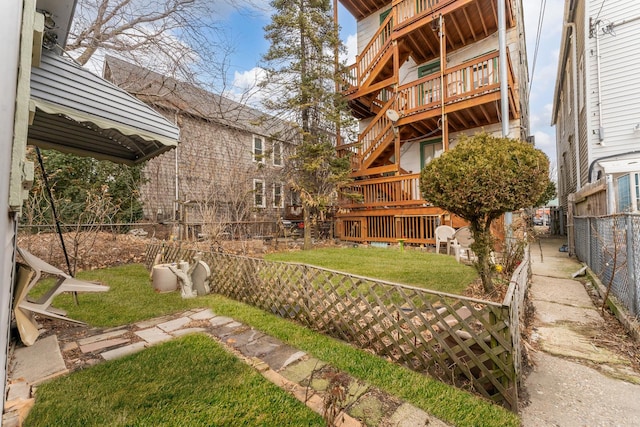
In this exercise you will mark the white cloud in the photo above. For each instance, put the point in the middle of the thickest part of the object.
(245, 87)
(352, 49)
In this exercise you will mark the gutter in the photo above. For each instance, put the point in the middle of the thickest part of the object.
(611, 156)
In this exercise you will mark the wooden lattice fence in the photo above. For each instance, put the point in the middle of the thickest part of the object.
(465, 341)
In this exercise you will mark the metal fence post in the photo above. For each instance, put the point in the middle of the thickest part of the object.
(633, 285)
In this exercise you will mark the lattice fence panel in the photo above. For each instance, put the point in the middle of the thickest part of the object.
(448, 336)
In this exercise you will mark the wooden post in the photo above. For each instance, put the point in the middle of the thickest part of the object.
(443, 87)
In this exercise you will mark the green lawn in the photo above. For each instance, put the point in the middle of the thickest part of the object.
(132, 299)
(190, 381)
(410, 267)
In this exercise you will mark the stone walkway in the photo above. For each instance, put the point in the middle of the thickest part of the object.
(292, 369)
(575, 381)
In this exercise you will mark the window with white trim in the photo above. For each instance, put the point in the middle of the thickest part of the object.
(258, 149)
(278, 199)
(258, 193)
(277, 153)
(629, 192)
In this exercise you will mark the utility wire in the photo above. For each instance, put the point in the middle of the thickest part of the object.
(543, 7)
(601, 6)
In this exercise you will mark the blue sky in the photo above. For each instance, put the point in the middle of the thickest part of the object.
(245, 31)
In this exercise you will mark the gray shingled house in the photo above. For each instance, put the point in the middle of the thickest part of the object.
(228, 176)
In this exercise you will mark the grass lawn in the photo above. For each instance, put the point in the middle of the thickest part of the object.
(131, 299)
(191, 381)
(410, 267)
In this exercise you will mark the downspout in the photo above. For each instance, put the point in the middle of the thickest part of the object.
(574, 83)
(176, 206)
(599, 79)
(504, 83)
(504, 96)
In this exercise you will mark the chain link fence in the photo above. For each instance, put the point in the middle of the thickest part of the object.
(610, 246)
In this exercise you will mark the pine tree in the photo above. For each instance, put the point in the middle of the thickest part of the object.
(301, 78)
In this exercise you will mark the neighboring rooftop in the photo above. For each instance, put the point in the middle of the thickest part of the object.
(171, 94)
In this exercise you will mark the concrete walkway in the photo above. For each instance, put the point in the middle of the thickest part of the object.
(574, 381)
(295, 371)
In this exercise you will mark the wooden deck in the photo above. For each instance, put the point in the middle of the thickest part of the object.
(455, 98)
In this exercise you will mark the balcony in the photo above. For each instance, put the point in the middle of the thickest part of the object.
(403, 190)
(414, 23)
(470, 95)
(470, 86)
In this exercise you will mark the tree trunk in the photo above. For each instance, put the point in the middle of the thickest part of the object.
(482, 246)
(306, 215)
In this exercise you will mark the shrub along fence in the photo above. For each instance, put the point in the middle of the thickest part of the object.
(468, 342)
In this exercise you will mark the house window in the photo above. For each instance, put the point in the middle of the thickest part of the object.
(429, 68)
(258, 149)
(430, 150)
(258, 193)
(278, 200)
(629, 192)
(277, 153)
(384, 15)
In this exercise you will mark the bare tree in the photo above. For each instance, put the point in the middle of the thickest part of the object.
(99, 211)
(178, 38)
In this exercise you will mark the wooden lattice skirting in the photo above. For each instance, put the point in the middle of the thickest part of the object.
(463, 341)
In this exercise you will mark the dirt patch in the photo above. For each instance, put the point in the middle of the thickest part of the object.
(614, 337)
(476, 290)
(87, 251)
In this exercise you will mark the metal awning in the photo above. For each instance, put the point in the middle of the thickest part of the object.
(76, 111)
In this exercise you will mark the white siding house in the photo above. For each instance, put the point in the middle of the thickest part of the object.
(596, 110)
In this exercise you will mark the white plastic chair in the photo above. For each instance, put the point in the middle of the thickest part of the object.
(461, 242)
(444, 234)
(29, 275)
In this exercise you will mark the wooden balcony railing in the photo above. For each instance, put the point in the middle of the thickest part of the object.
(359, 73)
(469, 79)
(408, 10)
(389, 191)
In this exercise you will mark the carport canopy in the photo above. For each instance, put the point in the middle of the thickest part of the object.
(75, 111)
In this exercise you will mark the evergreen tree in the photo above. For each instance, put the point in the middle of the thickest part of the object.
(301, 79)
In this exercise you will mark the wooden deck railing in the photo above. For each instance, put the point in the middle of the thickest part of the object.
(388, 191)
(466, 80)
(408, 10)
(472, 78)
